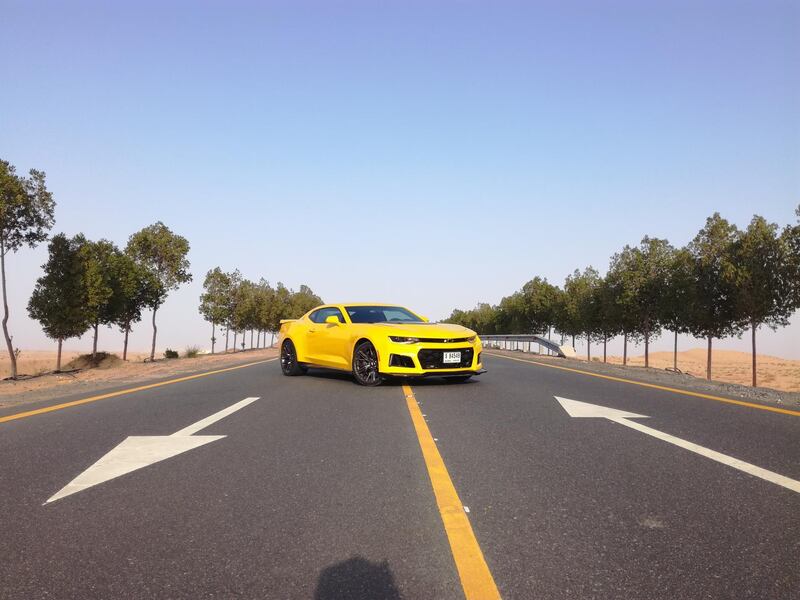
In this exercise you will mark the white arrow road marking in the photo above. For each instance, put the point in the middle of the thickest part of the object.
(136, 452)
(584, 409)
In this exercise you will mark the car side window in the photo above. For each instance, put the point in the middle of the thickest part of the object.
(319, 316)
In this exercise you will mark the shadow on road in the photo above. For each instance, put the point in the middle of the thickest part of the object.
(389, 381)
(357, 579)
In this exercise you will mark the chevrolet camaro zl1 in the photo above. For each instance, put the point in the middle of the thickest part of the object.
(373, 341)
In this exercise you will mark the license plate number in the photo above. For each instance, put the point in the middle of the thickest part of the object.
(451, 357)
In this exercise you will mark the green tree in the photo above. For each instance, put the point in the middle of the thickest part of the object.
(133, 290)
(540, 300)
(791, 238)
(583, 314)
(484, 319)
(99, 279)
(265, 300)
(215, 300)
(59, 298)
(303, 301)
(568, 312)
(640, 278)
(763, 271)
(280, 307)
(164, 255)
(511, 314)
(230, 313)
(677, 298)
(713, 313)
(608, 315)
(245, 312)
(26, 215)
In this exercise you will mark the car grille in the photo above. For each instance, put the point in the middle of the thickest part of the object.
(444, 340)
(432, 359)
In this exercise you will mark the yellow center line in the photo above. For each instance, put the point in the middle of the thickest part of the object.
(47, 409)
(784, 411)
(476, 579)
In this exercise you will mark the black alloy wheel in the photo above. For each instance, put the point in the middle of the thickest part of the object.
(289, 364)
(365, 364)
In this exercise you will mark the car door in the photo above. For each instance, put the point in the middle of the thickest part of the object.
(328, 344)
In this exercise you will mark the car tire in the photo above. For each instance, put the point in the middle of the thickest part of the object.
(459, 379)
(289, 364)
(365, 364)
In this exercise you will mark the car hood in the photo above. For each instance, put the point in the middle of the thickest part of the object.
(425, 330)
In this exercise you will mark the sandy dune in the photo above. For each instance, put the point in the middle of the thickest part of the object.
(728, 365)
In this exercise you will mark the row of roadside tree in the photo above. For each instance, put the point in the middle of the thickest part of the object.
(89, 283)
(239, 305)
(724, 282)
(85, 283)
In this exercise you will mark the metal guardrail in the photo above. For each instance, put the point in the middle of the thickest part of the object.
(526, 342)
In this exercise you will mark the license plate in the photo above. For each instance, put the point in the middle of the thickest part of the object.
(451, 357)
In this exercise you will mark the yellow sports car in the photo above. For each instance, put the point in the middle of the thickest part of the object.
(374, 341)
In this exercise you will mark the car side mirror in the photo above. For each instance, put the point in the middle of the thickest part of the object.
(332, 320)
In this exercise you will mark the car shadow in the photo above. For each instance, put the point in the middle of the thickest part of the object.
(357, 579)
(389, 381)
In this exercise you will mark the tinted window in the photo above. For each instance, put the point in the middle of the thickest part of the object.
(381, 314)
(319, 316)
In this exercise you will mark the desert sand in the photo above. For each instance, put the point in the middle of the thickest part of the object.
(730, 366)
(36, 362)
(111, 372)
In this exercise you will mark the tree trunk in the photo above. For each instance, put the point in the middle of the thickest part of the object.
(235, 334)
(213, 336)
(96, 326)
(588, 346)
(251, 339)
(646, 349)
(625, 348)
(227, 333)
(573, 341)
(708, 360)
(258, 339)
(58, 356)
(11, 356)
(675, 353)
(272, 340)
(125, 345)
(605, 343)
(155, 331)
(755, 379)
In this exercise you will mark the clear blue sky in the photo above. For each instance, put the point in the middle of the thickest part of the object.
(434, 154)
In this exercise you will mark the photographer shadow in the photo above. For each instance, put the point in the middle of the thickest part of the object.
(357, 579)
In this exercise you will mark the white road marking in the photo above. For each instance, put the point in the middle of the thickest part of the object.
(466, 509)
(203, 423)
(583, 409)
(136, 452)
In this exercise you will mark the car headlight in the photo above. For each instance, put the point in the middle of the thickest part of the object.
(403, 340)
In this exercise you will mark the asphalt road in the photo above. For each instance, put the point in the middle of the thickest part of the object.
(319, 489)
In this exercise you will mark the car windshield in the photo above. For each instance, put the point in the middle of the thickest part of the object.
(381, 314)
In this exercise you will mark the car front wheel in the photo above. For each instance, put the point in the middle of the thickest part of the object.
(365, 364)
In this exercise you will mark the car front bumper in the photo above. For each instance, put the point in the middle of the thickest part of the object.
(424, 360)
